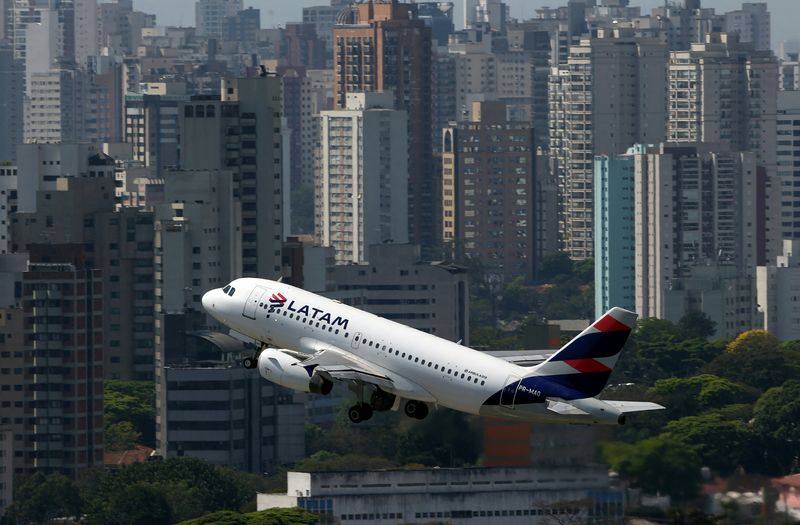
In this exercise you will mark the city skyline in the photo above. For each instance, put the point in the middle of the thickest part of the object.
(181, 12)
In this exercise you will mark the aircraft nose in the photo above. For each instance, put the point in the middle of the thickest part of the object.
(208, 301)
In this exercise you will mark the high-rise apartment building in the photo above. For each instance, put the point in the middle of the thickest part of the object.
(324, 18)
(488, 186)
(381, 48)
(82, 210)
(608, 96)
(614, 221)
(362, 190)
(243, 27)
(789, 73)
(62, 303)
(151, 124)
(694, 231)
(724, 91)
(12, 85)
(8, 188)
(210, 16)
(240, 131)
(787, 181)
(59, 107)
(777, 286)
(751, 23)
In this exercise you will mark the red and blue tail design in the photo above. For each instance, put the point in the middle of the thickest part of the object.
(582, 367)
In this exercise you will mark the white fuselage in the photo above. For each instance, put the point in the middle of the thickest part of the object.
(431, 369)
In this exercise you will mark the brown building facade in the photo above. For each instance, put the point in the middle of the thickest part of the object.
(383, 46)
(488, 187)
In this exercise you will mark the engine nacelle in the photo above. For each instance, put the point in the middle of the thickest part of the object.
(285, 370)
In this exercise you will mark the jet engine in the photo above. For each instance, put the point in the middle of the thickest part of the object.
(285, 370)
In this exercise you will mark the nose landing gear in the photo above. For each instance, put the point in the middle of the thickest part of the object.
(250, 362)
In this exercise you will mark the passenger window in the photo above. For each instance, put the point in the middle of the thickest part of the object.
(356, 338)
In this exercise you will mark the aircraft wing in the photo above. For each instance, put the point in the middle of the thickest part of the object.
(633, 406)
(341, 365)
(565, 409)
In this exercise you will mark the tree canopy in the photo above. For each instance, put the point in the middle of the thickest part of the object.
(132, 402)
(39, 499)
(293, 516)
(657, 464)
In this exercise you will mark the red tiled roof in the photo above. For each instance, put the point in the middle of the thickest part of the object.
(127, 457)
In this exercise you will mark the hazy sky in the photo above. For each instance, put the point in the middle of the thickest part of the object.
(785, 13)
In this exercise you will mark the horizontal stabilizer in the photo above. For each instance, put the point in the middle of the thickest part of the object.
(633, 406)
(565, 409)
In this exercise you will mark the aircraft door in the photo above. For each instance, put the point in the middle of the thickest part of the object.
(356, 340)
(251, 305)
(509, 392)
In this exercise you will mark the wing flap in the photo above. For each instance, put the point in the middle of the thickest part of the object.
(634, 406)
(565, 409)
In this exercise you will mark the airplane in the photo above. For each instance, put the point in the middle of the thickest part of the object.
(309, 342)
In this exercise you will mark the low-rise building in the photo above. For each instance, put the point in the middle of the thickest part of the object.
(456, 496)
(226, 414)
(778, 292)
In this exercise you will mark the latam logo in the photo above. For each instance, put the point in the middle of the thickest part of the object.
(277, 300)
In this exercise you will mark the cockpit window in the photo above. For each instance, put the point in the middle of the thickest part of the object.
(233, 291)
(225, 290)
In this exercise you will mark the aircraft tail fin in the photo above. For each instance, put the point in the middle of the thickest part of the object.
(581, 368)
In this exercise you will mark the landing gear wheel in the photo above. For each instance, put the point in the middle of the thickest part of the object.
(416, 409)
(250, 362)
(360, 412)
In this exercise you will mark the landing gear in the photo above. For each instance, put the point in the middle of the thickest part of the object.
(359, 412)
(416, 409)
(381, 401)
(250, 362)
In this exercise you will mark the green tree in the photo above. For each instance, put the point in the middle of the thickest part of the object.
(761, 366)
(133, 402)
(776, 418)
(696, 324)
(120, 436)
(693, 395)
(39, 499)
(292, 516)
(208, 487)
(657, 464)
(777, 412)
(324, 461)
(138, 504)
(722, 443)
(554, 265)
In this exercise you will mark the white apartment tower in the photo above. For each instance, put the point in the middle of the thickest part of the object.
(723, 91)
(778, 288)
(58, 106)
(696, 217)
(361, 195)
(608, 96)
